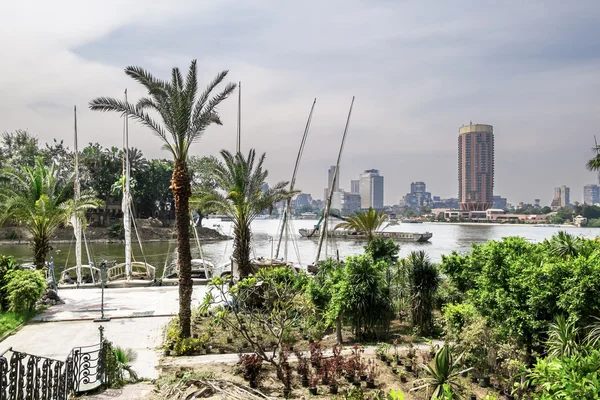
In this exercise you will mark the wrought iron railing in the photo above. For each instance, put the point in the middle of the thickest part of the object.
(27, 376)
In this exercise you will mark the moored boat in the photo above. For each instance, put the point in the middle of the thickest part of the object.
(398, 236)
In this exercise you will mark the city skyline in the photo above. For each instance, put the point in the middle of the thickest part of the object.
(416, 75)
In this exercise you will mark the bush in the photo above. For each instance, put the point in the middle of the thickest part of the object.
(25, 288)
(179, 346)
(7, 265)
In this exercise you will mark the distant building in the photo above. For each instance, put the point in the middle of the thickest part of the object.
(436, 198)
(371, 189)
(265, 187)
(451, 203)
(330, 176)
(303, 199)
(347, 203)
(500, 203)
(591, 194)
(476, 167)
(536, 203)
(355, 186)
(418, 196)
(562, 197)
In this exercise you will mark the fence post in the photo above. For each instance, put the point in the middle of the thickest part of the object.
(101, 358)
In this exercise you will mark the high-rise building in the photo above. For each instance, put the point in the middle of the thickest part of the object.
(345, 202)
(562, 197)
(355, 186)
(418, 196)
(476, 167)
(371, 189)
(330, 175)
(591, 194)
(500, 203)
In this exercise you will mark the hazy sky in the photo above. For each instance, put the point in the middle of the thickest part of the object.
(418, 69)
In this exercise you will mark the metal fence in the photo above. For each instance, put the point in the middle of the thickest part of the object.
(27, 376)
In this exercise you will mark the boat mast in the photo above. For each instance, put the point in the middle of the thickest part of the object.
(288, 206)
(75, 217)
(126, 197)
(329, 197)
(238, 145)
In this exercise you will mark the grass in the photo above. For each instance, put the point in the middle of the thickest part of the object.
(9, 321)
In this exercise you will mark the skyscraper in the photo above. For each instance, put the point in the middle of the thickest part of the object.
(355, 186)
(562, 197)
(371, 189)
(330, 174)
(476, 167)
(591, 194)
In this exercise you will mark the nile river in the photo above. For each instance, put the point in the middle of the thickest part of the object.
(446, 238)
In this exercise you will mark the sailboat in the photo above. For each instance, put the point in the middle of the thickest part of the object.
(323, 231)
(129, 273)
(85, 275)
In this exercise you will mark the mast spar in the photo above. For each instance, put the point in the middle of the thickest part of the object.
(75, 220)
(333, 181)
(126, 196)
(288, 206)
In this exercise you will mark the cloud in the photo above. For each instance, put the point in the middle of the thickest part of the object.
(418, 70)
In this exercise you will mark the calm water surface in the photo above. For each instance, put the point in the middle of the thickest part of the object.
(446, 238)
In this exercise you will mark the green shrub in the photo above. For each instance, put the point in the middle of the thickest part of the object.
(456, 316)
(179, 346)
(7, 264)
(25, 288)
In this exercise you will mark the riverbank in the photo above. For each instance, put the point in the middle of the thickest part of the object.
(14, 235)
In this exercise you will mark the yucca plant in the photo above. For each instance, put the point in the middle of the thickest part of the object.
(423, 280)
(124, 359)
(367, 222)
(442, 375)
(184, 116)
(563, 338)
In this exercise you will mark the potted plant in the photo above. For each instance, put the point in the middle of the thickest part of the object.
(287, 380)
(402, 376)
(316, 354)
(381, 350)
(333, 375)
(302, 367)
(371, 374)
(313, 380)
(395, 345)
(251, 366)
(362, 371)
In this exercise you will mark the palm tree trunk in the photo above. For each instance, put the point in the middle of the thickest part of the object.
(241, 247)
(181, 186)
(41, 248)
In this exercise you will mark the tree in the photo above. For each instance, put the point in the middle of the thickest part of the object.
(564, 245)
(203, 181)
(424, 281)
(185, 116)
(546, 210)
(18, 148)
(100, 168)
(152, 193)
(238, 194)
(367, 222)
(35, 198)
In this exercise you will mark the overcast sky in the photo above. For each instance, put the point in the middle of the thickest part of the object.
(418, 69)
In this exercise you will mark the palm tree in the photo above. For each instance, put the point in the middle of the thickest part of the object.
(564, 245)
(239, 195)
(185, 116)
(424, 279)
(124, 358)
(368, 222)
(35, 198)
(442, 375)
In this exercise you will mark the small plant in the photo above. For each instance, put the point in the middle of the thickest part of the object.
(395, 394)
(395, 345)
(251, 366)
(411, 354)
(371, 371)
(124, 359)
(302, 366)
(316, 354)
(381, 350)
(24, 288)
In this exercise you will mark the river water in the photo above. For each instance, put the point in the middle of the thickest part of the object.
(446, 238)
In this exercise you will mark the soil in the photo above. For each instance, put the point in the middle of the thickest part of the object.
(149, 231)
(272, 387)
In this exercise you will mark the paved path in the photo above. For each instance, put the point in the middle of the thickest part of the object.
(138, 317)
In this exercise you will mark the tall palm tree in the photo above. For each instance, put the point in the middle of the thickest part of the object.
(368, 222)
(185, 116)
(35, 198)
(239, 195)
(424, 280)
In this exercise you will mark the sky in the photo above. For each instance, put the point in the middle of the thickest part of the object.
(418, 70)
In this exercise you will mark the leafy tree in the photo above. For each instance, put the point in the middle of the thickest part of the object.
(424, 280)
(185, 116)
(203, 181)
(18, 148)
(100, 168)
(382, 249)
(35, 198)
(546, 210)
(367, 222)
(152, 193)
(238, 194)
(565, 213)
